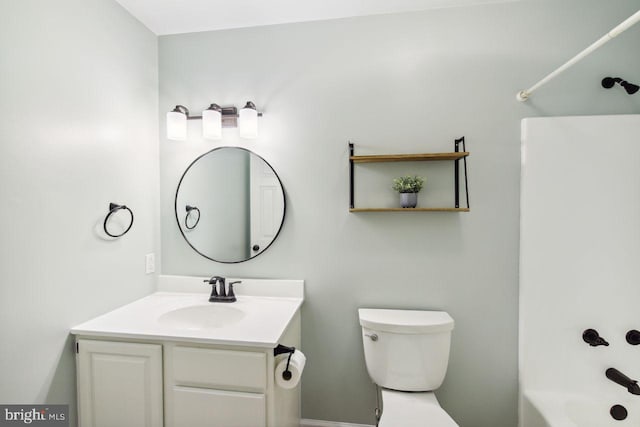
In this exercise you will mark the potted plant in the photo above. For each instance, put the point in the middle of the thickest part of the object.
(408, 187)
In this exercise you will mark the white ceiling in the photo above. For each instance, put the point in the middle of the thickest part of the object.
(186, 16)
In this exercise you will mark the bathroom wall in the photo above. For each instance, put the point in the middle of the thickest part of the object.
(78, 101)
(396, 83)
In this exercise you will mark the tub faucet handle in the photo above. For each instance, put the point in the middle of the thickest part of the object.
(593, 338)
(633, 337)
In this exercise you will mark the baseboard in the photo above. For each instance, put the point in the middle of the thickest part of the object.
(320, 423)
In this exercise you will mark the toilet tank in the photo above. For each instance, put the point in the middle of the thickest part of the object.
(406, 350)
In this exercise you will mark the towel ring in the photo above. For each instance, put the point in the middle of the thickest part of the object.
(189, 210)
(113, 208)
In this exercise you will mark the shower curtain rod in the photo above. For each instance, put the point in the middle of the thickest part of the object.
(523, 95)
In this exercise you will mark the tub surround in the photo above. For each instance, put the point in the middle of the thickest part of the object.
(578, 252)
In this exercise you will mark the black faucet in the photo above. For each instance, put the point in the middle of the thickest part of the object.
(221, 294)
(619, 378)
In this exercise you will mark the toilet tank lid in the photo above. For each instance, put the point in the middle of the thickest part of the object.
(405, 321)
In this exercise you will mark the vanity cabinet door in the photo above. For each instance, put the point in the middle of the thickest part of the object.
(198, 407)
(119, 384)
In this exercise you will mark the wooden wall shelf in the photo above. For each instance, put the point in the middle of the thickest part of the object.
(455, 156)
(408, 157)
(409, 210)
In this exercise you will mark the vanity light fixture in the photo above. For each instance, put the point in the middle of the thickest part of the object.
(212, 122)
(248, 121)
(214, 119)
(177, 123)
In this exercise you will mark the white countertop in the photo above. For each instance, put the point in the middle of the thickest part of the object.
(256, 321)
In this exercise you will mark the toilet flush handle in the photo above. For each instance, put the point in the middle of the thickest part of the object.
(374, 337)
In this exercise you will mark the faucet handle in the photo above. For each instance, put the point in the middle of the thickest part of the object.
(230, 293)
(591, 337)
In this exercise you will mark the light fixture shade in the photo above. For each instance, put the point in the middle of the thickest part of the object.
(212, 122)
(176, 125)
(248, 121)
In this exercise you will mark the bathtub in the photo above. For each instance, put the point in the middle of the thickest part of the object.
(557, 409)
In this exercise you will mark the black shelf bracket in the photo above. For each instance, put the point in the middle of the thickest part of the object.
(351, 202)
(456, 173)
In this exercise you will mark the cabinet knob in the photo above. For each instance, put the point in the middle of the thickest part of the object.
(255, 247)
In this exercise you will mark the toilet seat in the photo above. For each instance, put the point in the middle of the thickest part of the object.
(413, 409)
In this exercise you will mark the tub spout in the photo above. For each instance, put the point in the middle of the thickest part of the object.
(619, 378)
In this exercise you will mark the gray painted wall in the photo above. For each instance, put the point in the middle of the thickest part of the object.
(397, 83)
(78, 102)
(79, 128)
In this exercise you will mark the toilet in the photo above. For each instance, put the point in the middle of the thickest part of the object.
(407, 353)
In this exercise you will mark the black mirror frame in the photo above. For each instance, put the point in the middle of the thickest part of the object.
(284, 203)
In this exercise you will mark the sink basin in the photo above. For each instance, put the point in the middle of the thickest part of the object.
(201, 317)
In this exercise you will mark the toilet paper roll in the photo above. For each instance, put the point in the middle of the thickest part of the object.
(296, 366)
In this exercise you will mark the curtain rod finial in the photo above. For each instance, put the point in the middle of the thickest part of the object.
(522, 96)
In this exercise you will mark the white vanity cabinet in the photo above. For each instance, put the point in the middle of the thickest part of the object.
(119, 384)
(150, 383)
(173, 359)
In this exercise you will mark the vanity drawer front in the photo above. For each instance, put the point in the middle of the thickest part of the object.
(204, 367)
(216, 408)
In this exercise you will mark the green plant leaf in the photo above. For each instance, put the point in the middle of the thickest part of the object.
(408, 184)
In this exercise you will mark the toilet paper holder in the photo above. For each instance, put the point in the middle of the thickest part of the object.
(283, 349)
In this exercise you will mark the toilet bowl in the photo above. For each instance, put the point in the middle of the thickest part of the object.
(411, 409)
(407, 354)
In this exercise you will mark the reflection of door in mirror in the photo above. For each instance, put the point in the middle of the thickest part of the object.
(218, 186)
(267, 207)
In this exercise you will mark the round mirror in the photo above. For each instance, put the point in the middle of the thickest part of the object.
(230, 205)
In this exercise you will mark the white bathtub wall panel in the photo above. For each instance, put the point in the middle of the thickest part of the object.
(579, 250)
